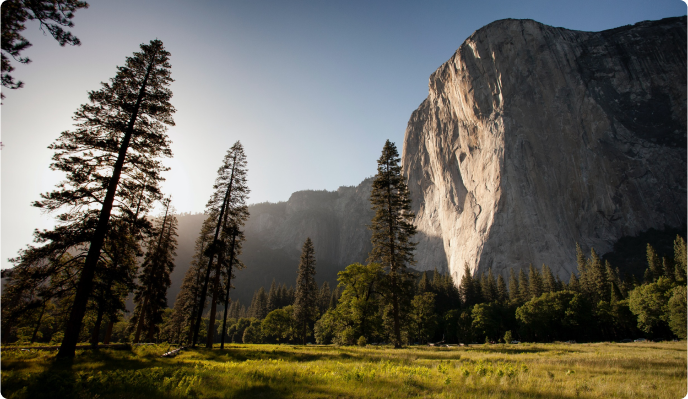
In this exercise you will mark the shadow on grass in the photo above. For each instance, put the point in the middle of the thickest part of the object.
(261, 391)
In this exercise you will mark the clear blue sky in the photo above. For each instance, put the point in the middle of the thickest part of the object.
(311, 88)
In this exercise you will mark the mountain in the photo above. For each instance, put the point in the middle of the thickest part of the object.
(535, 138)
(275, 232)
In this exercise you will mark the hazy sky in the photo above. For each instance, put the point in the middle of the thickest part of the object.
(311, 88)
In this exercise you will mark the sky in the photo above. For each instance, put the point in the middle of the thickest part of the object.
(312, 89)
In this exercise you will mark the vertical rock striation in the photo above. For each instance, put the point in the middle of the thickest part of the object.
(533, 138)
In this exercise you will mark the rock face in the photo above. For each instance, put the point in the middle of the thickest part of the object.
(533, 138)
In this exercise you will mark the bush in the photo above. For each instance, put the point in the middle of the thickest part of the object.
(362, 341)
(508, 337)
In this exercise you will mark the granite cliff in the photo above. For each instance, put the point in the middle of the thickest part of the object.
(533, 138)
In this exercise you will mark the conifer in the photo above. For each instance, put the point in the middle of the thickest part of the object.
(680, 259)
(228, 206)
(121, 133)
(502, 291)
(654, 264)
(272, 296)
(154, 279)
(514, 295)
(306, 290)
(574, 284)
(536, 286)
(392, 230)
(324, 297)
(523, 287)
(259, 304)
(467, 288)
(549, 284)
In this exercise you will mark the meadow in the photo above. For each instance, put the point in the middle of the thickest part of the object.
(559, 370)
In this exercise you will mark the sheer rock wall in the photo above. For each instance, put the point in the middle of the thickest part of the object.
(533, 138)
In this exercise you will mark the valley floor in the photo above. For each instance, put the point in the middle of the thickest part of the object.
(599, 370)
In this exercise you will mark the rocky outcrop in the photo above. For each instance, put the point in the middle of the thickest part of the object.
(533, 138)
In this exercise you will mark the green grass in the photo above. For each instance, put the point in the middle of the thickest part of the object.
(602, 370)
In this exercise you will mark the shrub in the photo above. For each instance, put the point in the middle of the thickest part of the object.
(362, 341)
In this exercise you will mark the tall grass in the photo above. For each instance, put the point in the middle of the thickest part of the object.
(636, 370)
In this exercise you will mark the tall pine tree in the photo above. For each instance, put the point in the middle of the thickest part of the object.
(228, 206)
(392, 230)
(154, 279)
(305, 303)
(121, 131)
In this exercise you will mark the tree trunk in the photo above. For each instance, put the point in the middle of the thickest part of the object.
(204, 292)
(151, 332)
(229, 285)
(85, 284)
(38, 324)
(6, 328)
(213, 306)
(96, 327)
(108, 331)
(140, 321)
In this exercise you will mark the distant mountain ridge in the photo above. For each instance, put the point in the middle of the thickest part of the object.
(275, 232)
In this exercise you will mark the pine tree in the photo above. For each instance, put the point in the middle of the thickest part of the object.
(523, 287)
(186, 304)
(121, 133)
(583, 275)
(306, 290)
(228, 205)
(654, 264)
(392, 230)
(467, 288)
(154, 279)
(536, 286)
(259, 304)
(680, 259)
(324, 297)
(272, 296)
(574, 284)
(423, 283)
(514, 295)
(502, 291)
(549, 283)
(490, 290)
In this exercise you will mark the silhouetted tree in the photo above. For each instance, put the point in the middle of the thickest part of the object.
(306, 290)
(127, 117)
(228, 203)
(154, 279)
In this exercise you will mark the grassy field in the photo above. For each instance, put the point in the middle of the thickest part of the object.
(601, 370)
